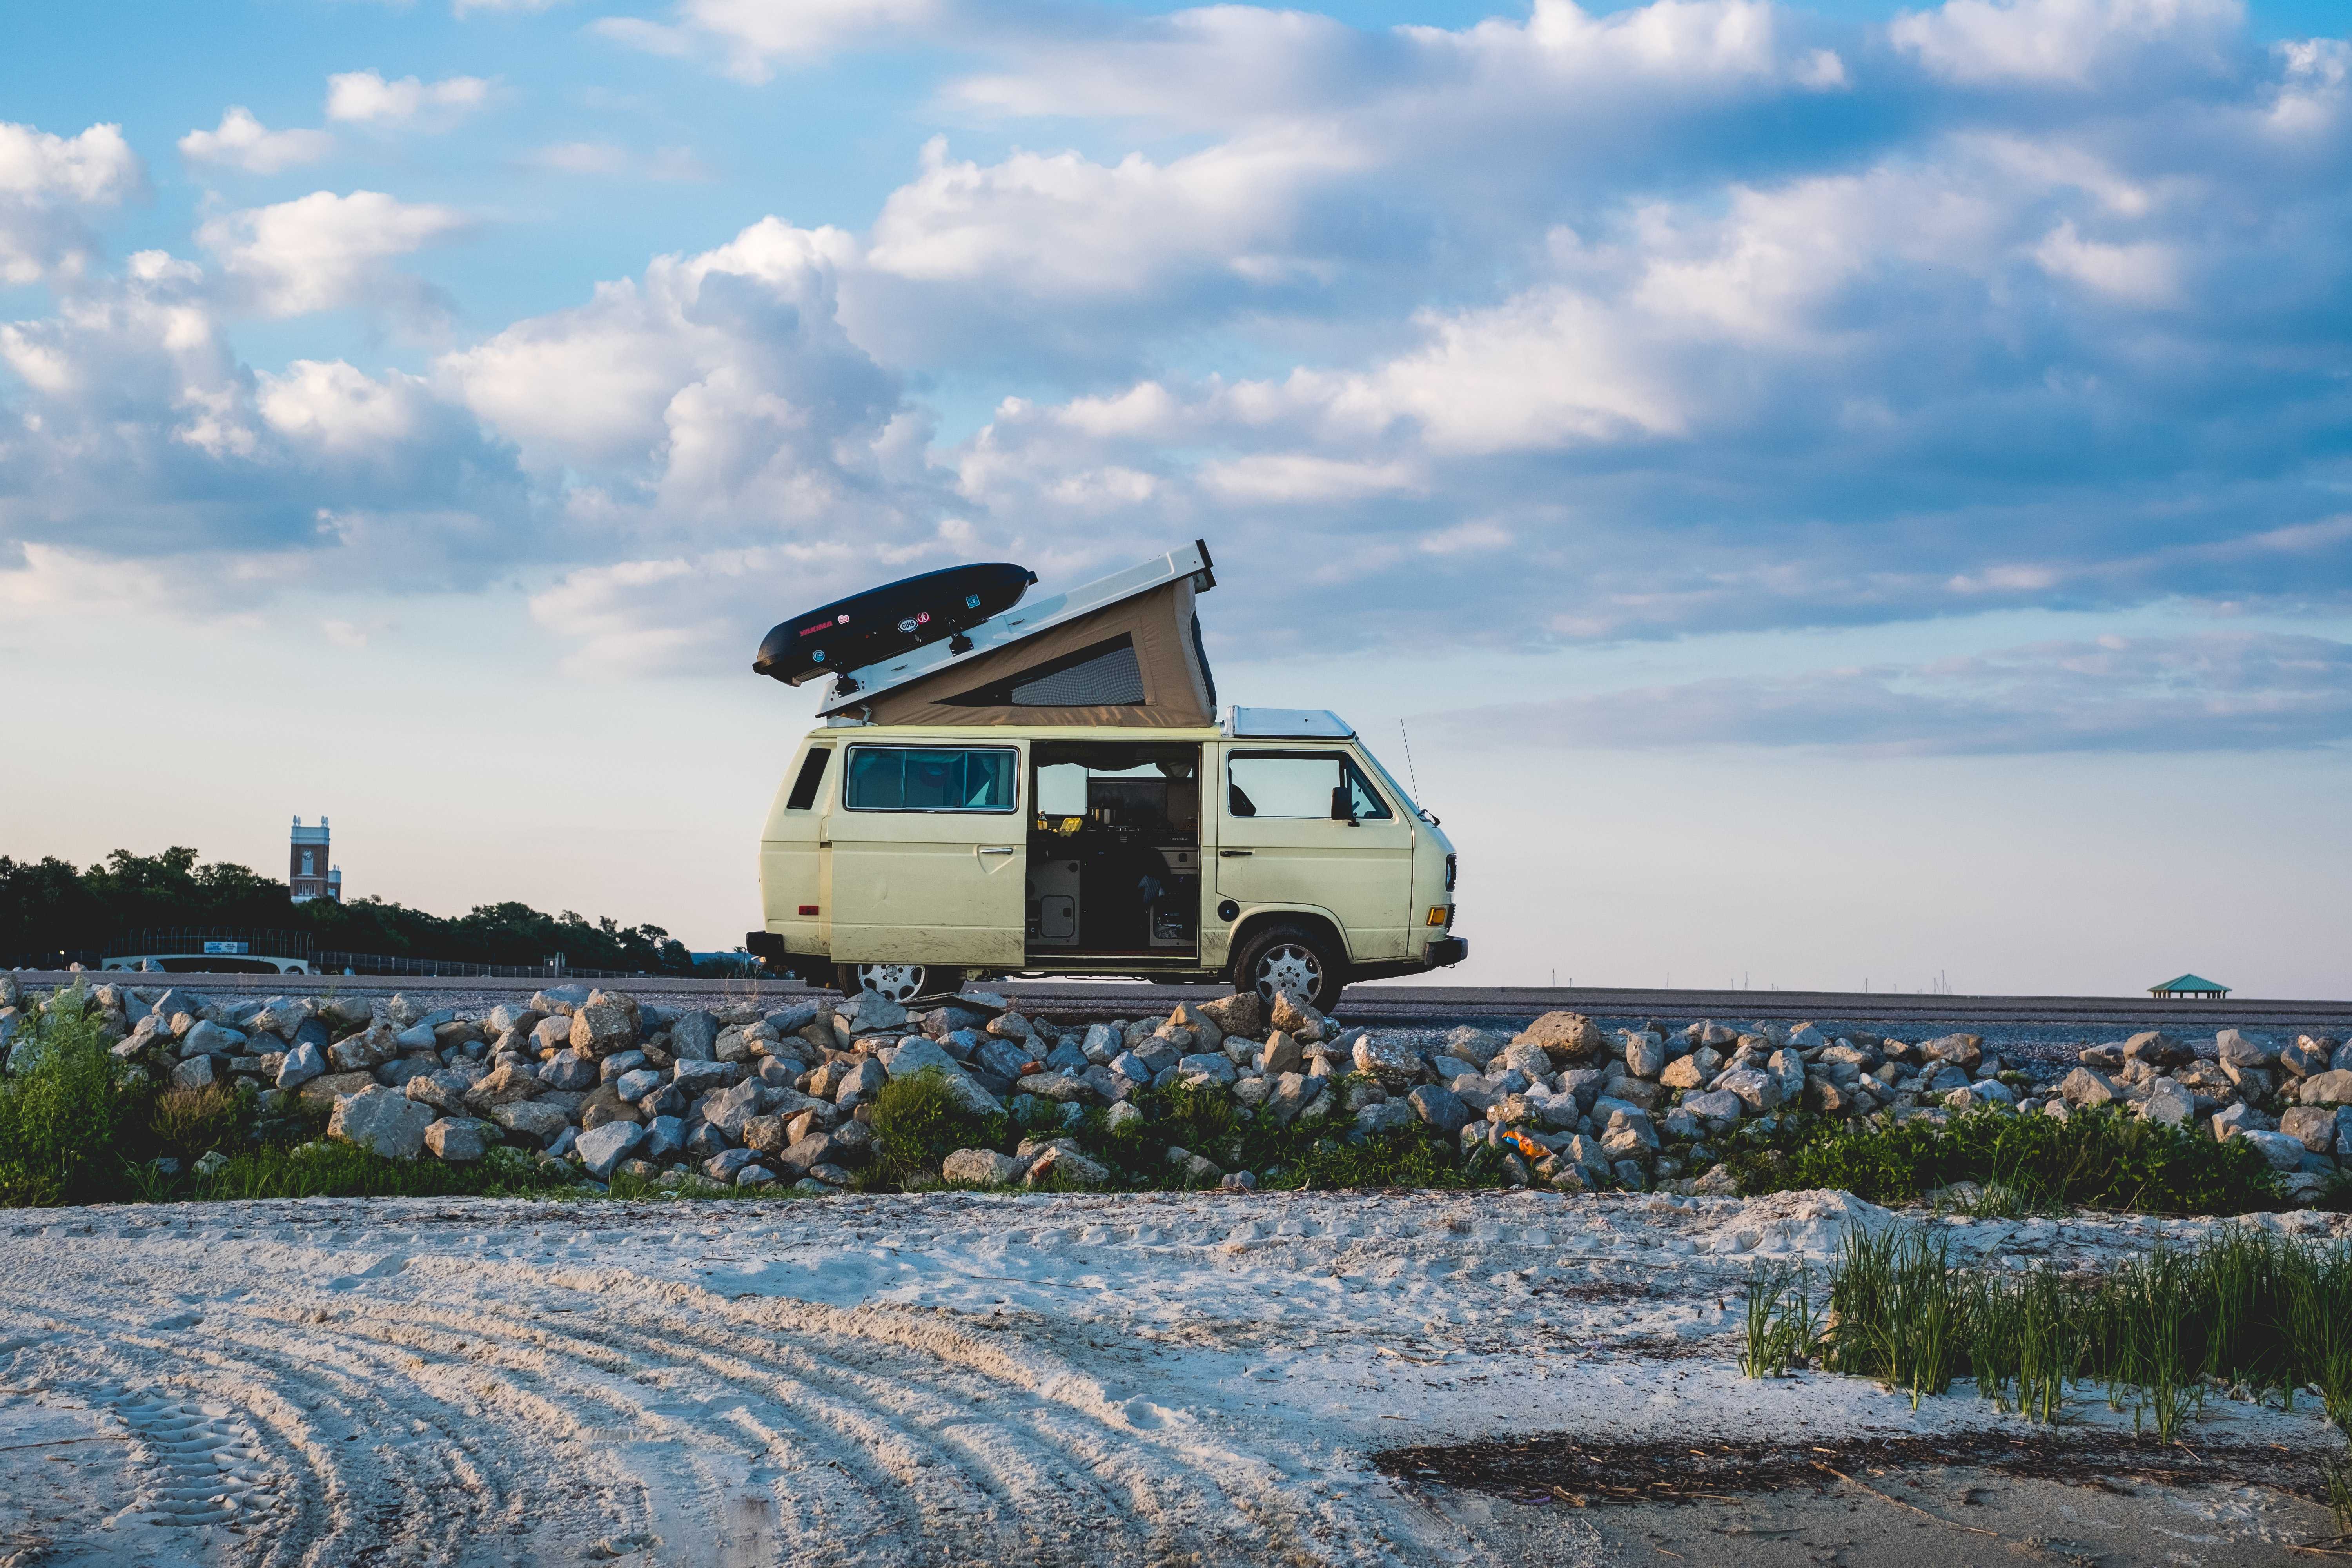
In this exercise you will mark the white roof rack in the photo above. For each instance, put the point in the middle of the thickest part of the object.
(1292, 723)
(853, 687)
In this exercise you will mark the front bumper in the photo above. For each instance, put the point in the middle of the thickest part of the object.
(1446, 951)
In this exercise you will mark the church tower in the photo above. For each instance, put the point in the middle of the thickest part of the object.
(309, 875)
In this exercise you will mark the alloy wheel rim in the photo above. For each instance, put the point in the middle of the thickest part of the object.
(1291, 968)
(894, 981)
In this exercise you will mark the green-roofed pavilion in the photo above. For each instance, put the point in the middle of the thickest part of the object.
(2191, 988)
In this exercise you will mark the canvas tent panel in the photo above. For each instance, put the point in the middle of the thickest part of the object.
(1173, 691)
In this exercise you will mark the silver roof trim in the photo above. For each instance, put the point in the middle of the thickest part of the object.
(1291, 723)
(1023, 620)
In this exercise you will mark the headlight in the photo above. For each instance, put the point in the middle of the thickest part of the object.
(1449, 873)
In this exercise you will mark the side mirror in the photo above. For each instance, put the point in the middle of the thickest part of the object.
(1343, 805)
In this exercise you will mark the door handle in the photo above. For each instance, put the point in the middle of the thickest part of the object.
(993, 850)
(1234, 854)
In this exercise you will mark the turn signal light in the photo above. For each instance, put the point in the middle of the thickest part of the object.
(808, 909)
(1437, 915)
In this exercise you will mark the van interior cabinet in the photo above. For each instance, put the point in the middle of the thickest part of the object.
(1115, 849)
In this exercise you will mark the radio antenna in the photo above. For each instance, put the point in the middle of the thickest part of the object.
(1408, 757)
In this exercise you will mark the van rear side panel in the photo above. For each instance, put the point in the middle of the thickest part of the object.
(793, 893)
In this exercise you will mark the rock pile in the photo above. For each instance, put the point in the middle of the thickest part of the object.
(2291, 1102)
(748, 1096)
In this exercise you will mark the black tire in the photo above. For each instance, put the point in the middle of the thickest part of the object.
(899, 982)
(1302, 955)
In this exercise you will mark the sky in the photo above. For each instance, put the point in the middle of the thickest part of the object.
(1826, 496)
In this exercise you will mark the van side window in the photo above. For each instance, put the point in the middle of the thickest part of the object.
(812, 774)
(930, 778)
(1297, 783)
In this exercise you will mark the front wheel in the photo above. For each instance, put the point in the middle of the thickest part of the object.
(896, 981)
(1293, 958)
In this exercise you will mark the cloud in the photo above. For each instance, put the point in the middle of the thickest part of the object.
(364, 98)
(750, 37)
(134, 440)
(323, 252)
(242, 142)
(48, 183)
(2069, 42)
(2200, 692)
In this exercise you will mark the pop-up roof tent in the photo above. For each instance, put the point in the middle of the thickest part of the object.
(1123, 651)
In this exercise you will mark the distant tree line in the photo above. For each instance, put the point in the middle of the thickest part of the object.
(49, 908)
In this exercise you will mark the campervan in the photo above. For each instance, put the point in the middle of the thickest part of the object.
(1050, 791)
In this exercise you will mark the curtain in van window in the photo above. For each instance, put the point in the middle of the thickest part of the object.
(906, 778)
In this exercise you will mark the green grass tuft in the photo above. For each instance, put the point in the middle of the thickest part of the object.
(2245, 1307)
(2102, 1158)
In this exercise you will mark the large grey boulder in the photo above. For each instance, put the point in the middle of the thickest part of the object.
(2168, 1102)
(727, 1163)
(871, 1013)
(2333, 1087)
(727, 1109)
(2235, 1049)
(602, 1148)
(1440, 1107)
(1788, 1069)
(2157, 1049)
(2317, 1127)
(1207, 1067)
(695, 1076)
(301, 1065)
(1388, 1116)
(559, 1000)
(861, 1083)
(1242, 1013)
(550, 1034)
(1057, 1163)
(568, 1070)
(1062, 1087)
(605, 1024)
(1388, 1063)
(1757, 1092)
(397, 1074)
(1645, 1055)
(382, 1119)
(416, 1038)
(208, 1038)
(915, 1053)
(196, 1072)
(505, 1085)
(1720, 1108)
(2232, 1120)
(694, 1036)
(665, 1137)
(533, 1118)
(1296, 1095)
(370, 1047)
(444, 1091)
(457, 1141)
(1566, 1036)
(980, 1168)
(2284, 1152)
(2087, 1086)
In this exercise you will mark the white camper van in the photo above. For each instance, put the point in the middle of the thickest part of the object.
(1052, 792)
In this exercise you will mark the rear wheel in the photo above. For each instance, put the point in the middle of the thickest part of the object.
(896, 981)
(1295, 958)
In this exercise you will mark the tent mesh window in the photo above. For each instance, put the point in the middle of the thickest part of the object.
(1102, 675)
